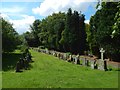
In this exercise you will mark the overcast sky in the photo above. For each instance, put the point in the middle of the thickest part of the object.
(22, 13)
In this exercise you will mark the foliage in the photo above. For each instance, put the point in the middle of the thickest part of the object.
(74, 36)
(51, 29)
(10, 38)
(101, 28)
(33, 39)
(59, 31)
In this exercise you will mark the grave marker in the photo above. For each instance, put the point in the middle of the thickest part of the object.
(102, 51)
(102, 64)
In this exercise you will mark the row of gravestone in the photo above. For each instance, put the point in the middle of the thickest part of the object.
(77, 59)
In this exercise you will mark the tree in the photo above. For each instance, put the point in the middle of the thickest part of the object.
(10, 38)
(101, 27)
(65, 40)
(35, 29)
(116, 34)
(74, 36)
(51, 28)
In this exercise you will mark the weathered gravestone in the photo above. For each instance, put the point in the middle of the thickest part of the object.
(102, 64)
(47, 51)
(86, 62)
(82, 60)
(58, 55)
(18, 66)
(77, 61)
(55, 54)
(93, 64)
(61, 55)
(69, 59)
(64, 56)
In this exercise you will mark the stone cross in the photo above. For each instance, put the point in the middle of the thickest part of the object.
(102, 51)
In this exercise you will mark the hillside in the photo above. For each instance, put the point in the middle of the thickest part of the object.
(49, 72)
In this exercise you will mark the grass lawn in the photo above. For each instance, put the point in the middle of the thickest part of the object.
(0, 79)
(49, 72)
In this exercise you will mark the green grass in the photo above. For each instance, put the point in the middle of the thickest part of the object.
(0, 80)
(49, 72)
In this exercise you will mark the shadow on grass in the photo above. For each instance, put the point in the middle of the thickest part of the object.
(9, 61)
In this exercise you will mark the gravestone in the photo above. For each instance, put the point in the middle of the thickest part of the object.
(47, 51)
(55, 54)
(18, 66)
(87, 62)
(64, 56)
(83, 60)
(93, 64)
(73, 59)
(77, 61)
(102, 64)
(69, 59)
(58, 55)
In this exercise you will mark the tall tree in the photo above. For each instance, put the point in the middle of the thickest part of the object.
(116, 34)
(35, 29)
(101, 23)
(10, 38)
(74, 36)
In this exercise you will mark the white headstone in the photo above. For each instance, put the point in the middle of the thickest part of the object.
(102, 51)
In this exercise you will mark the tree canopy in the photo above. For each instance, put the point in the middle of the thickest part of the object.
(102, 26)
(10, 38)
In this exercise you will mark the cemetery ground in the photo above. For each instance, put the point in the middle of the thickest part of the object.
(48, 71)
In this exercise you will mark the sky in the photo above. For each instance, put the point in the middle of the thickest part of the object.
(22, 13)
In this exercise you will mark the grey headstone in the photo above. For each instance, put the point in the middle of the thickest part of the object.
(84, 61)
(64, 56)
(102, 65)
(75, 61)
(87, 62)
(92, 64)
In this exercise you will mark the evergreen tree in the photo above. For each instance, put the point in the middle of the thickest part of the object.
(74, 36)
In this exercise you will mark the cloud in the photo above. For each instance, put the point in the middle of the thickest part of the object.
(5, 16)
(20, 25)
(13, 9)
(23, 24)
(47, 7)
(87, 21)
(21, 0)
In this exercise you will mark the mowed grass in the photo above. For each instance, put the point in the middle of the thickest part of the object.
(0, 79)
(49, 72)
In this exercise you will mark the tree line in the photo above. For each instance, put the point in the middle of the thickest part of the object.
(67, 32)
(60, 31)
